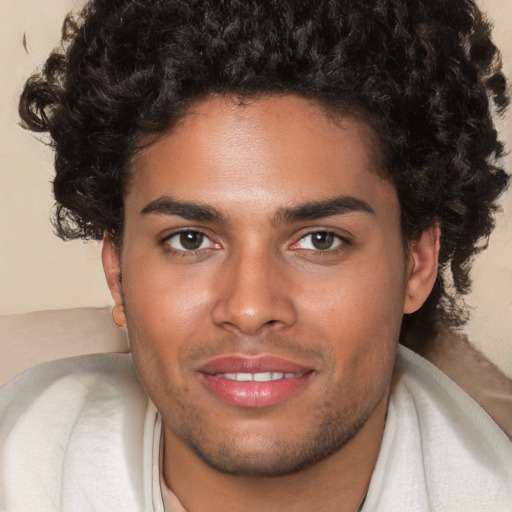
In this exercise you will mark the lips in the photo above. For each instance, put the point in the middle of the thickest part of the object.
(254, 381)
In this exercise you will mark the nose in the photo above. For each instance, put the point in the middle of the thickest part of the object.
(253, 296)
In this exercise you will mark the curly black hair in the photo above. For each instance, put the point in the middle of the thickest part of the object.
(424, 74)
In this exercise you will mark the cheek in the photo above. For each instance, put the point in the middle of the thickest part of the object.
(163, 311)
(358, 314)
(360, 297)
(166, 301)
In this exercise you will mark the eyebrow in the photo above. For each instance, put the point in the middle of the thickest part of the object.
(166, 205)
(320, 209)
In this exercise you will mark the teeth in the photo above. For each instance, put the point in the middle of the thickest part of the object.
(258, 377)
(263, 376)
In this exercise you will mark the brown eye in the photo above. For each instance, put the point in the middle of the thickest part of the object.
(191, 240)
(322, 240)
(187, 241)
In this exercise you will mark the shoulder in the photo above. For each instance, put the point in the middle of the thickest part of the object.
(67, 429)
(439, 401)
(61, 391)
(440, 450)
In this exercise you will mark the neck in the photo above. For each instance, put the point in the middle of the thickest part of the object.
(338, 482)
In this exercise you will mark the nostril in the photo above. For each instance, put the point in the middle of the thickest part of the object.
(250, 302)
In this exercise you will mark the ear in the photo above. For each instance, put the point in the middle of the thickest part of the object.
(421, 268)
(112, 269)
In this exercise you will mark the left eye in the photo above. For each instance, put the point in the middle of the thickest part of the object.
(319, 241)
(189, 241)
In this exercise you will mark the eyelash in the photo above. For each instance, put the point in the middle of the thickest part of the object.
(343, 243)
(165, 243)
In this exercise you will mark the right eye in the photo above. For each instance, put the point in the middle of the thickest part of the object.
(189, 241)
(320, 241)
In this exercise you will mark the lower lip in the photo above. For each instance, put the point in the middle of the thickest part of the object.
(254, 394)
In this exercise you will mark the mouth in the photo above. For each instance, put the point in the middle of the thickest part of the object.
(254, 381)
(258, 377)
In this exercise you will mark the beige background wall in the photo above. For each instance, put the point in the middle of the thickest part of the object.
(38, 271)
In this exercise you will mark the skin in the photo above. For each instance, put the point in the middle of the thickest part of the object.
(258, 285)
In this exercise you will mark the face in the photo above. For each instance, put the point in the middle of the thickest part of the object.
(264, 280)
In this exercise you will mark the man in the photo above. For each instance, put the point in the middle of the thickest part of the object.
(279, 187)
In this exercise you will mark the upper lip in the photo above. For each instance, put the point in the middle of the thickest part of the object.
(251, 364)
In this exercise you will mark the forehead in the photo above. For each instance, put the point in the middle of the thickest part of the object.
(273, 148)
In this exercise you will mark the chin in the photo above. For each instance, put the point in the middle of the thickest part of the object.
(270, 457)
